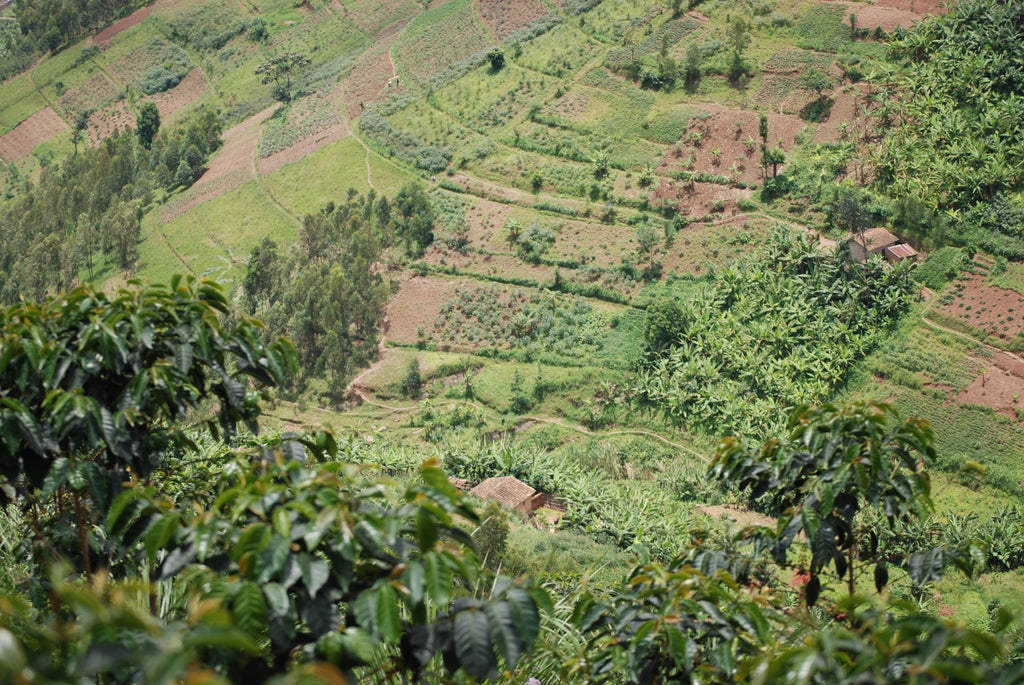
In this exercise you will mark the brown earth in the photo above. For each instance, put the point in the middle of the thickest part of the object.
(920, 7)
(198, 194)
(231, 166)
(22, 139)
(103, 38)
(995, 311)
(108, 121)
(723, 149)
(191, 88)
(373, 78)
(742, 517)
(505, 17)
(306, 146)
(845, 109)
(1000, 386)
(417, 304)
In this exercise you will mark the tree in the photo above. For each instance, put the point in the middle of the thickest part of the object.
(677, 7)
(849, 215)
(497, 59)
(692, 68)
(774, 156)
(257, 31)
(413, 382)
(738, 37)
(147, 123)
(279, 71)
(829, 478)
(817, 80)
(414, 219)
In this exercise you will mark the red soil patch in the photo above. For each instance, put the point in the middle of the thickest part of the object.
(109, 121)
(742, 517)
(417, 304)
(1000, 386)
(920, 7)
(847, 108)
(723, 147)
(505, 17)
(104, 37)
(886, 18)
(994, 311)
(231, 166)
(306, 146)
(22, 139)
(191, 88)
(373, 76)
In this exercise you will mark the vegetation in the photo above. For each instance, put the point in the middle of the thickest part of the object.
(782, 330)
(584, 244)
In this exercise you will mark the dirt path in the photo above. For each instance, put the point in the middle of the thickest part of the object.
(163, 236)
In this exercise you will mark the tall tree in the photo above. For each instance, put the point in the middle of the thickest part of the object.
(147, 123)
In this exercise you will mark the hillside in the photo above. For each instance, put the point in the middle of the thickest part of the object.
(578, 242)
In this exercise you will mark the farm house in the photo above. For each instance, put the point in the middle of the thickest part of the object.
(879, 241)
(507, 491)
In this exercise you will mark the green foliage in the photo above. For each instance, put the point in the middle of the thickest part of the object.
(208, 26)
(413, 381)
(276, 548)
(955, 146)
(414, 219)
(91, 206)
(53, 24)
(497, 59)
(834, 468)
(163, 66)
(279, 71)
(326, 295)
(147, 123)
(533, 321)
(783, 329)
(941, 266)
(257, 30)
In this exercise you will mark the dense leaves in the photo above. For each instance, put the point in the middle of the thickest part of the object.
(312, 557)
(958, 137)
(105, 380)
(86, 213)
(835, 465)
(779, 331)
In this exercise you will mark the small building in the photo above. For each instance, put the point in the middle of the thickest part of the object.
(875, 241)
(898, 253)
(507, 491)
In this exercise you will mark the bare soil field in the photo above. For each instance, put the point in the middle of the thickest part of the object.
(844, 110)
(417, 304)
(231, 166)
(239, 148)
(373, 76)
(996, 311)
(725, 142)
(22, 139)
(1000, 386)
(108, 121)
(306, 146)
(919, 7)
(172, 101)
(505, 17)
(103, 38)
